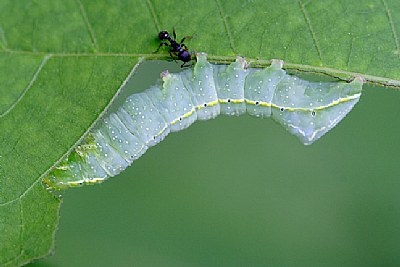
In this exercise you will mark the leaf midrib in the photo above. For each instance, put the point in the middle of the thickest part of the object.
(332, 72)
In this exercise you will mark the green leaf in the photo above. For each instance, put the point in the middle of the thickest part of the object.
(63, 62)
(27, 225)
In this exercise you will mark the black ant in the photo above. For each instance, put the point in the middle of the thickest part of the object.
(179, 50)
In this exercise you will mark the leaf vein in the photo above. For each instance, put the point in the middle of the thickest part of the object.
(4, 42)
(332, 72)
(350, 53)
(22, 195)
(88, 25)
(227, 27)
(262, 42)
(32, 81)
(21, 239)
(150, 6)
(392, 27)
(310, 28)
(21, 230)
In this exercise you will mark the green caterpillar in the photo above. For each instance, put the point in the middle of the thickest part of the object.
(306, 109)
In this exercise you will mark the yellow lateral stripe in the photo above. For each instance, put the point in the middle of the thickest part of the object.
(263, 104)
(341, 100)
(334, 103)
(234, 101)
(88, 181)
(184, 116)
(209, 104)
(162, 131)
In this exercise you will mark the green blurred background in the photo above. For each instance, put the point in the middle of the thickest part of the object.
(244, 192)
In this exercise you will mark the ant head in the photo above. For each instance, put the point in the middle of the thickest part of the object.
(163, 35)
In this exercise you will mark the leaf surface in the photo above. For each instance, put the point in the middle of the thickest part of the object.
(63, 62)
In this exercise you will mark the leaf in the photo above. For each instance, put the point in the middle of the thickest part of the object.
(63, 62)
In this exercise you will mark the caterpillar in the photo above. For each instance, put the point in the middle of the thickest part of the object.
(306, 109)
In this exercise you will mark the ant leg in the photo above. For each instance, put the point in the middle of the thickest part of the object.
(174, 33)
(193, 53)
(184, 38)
(186, 66)
(162, 44)
(173, 56)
